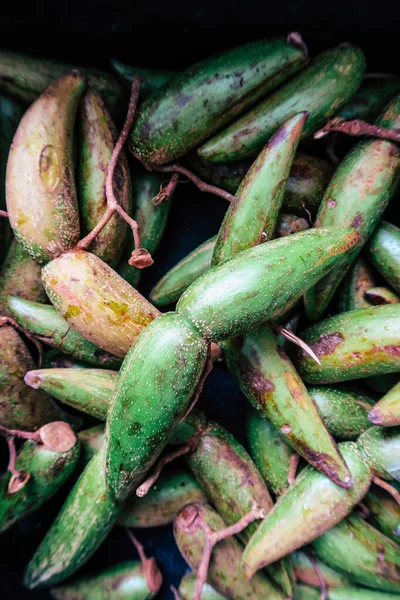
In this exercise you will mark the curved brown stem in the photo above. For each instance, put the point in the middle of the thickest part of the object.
(386, 486)
(149, 567)
(4, 214)
(17, 433)
(140, 256)
(167, 191)
(293, 464)
(363, 510)
(32, 338)
(175, 592)
(289, 335)
(213, 537)
(356, 127)
(322, 584)
(204, 187)
(144, 488)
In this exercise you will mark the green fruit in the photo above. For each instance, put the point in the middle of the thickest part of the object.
(381, 295)
(384, 512)
(387, 411)
(41, 203)
(199, 101)
(353, 345)
(305, 572)
(321, 89)
(357, 281)
(288, 224)
(381, 446)
(384, 253)
(187, 587)
(48, 471)
(370, 99)
(46, 324)
(311, 506)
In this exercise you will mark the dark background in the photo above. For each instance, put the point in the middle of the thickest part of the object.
(174, 34)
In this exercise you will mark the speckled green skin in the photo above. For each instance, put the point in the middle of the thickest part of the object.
(305, 572)
(381, 295)
(91, 441)
(124, 581)
(87, 390)
(370, 99)
(267, 377)
(203, 98)
(224, 572)
(20, 276)
(25, 78)
(21, 407)
(187, 587)
(97, 138)
(40, 186)
(260, 282)
(357, 195)
(177, 280)
(96, 301)
(381, 446)
(221, 465)
(46, 323)
(305, 187)
(321, 89)
(352, 345)
(384, 512)
(345, 413)
(384, 253)
(269, 451)
(387, 411)
(166, 498)
(357, 281)
(252, 217)
(343, 593)
(311, 506)
(49, 470)
(150, 79)
(154, 389)
(150, 218)
(288, 224)
(83, 523)
(362, 552)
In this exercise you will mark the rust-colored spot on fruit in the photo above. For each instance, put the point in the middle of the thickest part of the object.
(49, 168)
(295, 388)
(357, 221)
(326, 344)
(331, 203)
(72, 311)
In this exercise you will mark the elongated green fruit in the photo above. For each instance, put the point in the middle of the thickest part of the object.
(384, 512)
(224, 572)
(381, 446)
(384, 253)
(269, 451)
(171, 287)
(305, 187)
(97, 138)
(188, 585)
(124, 581)
(305, 572)
(21, 407)
(362, 552)
(172, 491)
(40, 187)
(25, 78)
(288, 224)
(387, 411)
(88, 390)
(150, 79)
(343, 593)
(252, 217)
(202, 99)
(381, 295)
(96, 301)
(268, 379)
(321, 89)
(357, 281)
(20, 276)
(154, 389)
(91, 441)
(353, 345)
(48, 471)
(356, 197)
(151, 219)
(221, 465)
(311, 506)
(345, 413)
(259, 283)
(370, 99)
(83, 523)
(46, 323)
